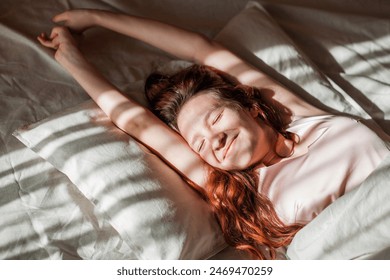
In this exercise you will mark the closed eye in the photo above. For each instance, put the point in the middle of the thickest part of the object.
(217, 118)
(201, 146)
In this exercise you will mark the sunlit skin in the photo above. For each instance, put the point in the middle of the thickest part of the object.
(143, 125)
(226, 137)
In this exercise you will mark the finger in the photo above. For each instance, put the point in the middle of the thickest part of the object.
(57, 31)
(44, 42)
(42, 35)
(55, 42)
(60, 17)
(54, 32)
(42, 38)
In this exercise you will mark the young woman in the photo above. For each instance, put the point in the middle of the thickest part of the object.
(266, 160)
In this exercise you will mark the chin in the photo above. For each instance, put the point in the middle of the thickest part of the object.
(235, 167)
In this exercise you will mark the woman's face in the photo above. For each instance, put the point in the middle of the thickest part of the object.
(225, 137)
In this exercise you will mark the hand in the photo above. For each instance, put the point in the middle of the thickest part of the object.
(76, 20)
(62, 41)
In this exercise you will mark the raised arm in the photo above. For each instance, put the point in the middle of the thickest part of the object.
(127, 114)
(187, 45)
(179, 42)
(176, 41)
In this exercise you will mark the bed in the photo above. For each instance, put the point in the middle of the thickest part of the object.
(72, 186)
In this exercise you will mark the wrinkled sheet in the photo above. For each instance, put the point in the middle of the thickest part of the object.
(356, 226)
(44, 216)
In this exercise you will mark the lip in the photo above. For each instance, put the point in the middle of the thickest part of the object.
(229, 146)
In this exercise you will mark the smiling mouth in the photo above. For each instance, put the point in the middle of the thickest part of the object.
(229, 146)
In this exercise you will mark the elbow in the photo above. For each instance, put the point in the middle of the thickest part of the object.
(132, 121)
(202, 48)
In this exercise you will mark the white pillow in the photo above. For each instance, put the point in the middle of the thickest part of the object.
(356, 225)
(257, 38)
(155, 212)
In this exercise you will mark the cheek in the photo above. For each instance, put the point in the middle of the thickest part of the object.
(249, 146)
(208, 157)
(243, 152)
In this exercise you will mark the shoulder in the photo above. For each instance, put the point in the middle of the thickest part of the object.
(343, 131)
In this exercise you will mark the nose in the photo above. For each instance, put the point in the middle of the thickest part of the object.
(218, 141)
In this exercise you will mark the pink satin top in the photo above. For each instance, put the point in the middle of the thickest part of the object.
(341, 153)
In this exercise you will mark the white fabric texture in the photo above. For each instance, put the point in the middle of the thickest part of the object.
(338, 155)
(155, 212)
(355, 226)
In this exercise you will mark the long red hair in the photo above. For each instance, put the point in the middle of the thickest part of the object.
(247, 218)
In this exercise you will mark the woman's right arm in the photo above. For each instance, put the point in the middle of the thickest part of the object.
(179, 42)
(125, 113)
(176, 41)
(187, 45)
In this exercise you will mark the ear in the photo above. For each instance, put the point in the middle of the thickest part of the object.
(256, 112)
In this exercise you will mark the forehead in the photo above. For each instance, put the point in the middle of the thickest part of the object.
(195, 110)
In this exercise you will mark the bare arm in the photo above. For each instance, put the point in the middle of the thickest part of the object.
(176, 41)
(128, 115)
(189, 46)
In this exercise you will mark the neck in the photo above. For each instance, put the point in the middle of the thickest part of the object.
(284, 148)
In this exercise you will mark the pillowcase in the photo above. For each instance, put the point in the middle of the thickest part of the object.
(355, 226)
(256, 37)
(154, 211)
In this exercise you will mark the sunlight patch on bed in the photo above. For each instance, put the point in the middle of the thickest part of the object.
(362, 58)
